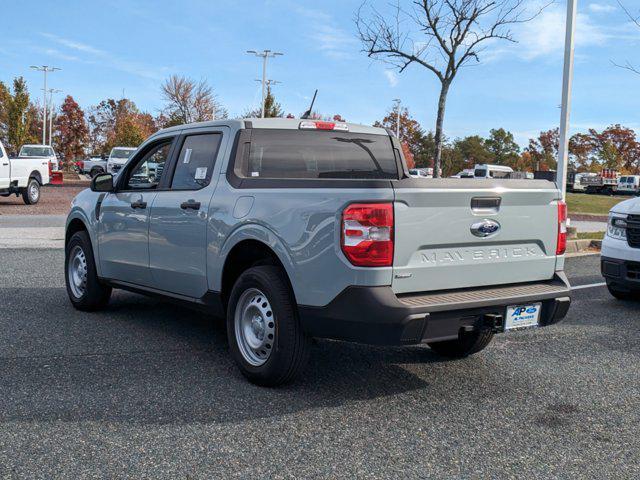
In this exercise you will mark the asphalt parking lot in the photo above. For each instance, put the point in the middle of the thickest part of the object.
(147, 389)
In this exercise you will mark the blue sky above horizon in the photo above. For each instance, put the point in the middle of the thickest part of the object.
(115, 47)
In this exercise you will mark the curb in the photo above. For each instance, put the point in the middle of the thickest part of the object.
(577, 246)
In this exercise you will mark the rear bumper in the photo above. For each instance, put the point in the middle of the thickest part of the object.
(375, 315)
(621, 273)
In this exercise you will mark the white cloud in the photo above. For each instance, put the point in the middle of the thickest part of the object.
(601, 7)
(95, 55)
(392, 77)
(333, 41)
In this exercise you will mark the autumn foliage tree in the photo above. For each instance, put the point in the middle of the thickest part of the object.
(188, 101)
(411, 133)
(16, 115)
(71, 130)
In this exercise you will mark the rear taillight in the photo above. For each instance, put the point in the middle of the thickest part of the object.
(562, 228)
(367, 234)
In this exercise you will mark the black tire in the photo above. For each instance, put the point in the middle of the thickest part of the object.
(95, 171)
(623, 294)
(466, 344)
(31, 193)
(289, 350)
(95, 294)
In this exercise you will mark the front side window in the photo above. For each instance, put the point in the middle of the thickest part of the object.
(147, 172)
(195, 162)
(303, 154)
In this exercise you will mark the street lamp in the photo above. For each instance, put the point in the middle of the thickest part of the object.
(44, 69)
(265, 54)
(51, 92)
(397, 101)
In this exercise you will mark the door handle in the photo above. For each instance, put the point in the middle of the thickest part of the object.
(5, 164)
(193, 205)
(139, 204)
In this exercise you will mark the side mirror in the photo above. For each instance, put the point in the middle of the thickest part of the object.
(102, 182)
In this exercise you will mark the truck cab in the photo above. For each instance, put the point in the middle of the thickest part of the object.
(40, 151)
(628, 185)
(491, 171)
(118, 157)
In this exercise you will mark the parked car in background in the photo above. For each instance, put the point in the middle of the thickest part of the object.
(94, 165)
(466, 173)
(620, 254)
(40, 151)
(491, 171)
(118, 157)
(299, 228)
(23, 176)
(421, 172)
(574, 181)
(628, 185)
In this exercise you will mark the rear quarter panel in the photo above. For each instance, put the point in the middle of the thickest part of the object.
(302, 225)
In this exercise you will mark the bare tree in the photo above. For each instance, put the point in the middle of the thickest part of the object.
(190, 101)
(439, 35)
(635, 19)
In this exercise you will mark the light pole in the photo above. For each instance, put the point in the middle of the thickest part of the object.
(565, 109)
(398, 101)
(44, 69)
(265, 54)
(51, 92)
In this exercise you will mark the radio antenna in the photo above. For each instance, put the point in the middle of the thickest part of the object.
(307, 114)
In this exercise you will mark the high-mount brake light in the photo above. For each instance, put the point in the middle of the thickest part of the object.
(319, 125)
(562, 228)
(367, 234)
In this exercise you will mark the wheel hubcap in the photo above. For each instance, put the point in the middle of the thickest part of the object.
(254, 326)
(33, 191)
(77, 271)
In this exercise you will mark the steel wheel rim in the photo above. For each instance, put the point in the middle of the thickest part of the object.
(33, 191)
(77, 272)
(255, 327)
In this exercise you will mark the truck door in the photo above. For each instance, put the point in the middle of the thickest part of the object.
(180, 214)
(123, 236)
(5, 168)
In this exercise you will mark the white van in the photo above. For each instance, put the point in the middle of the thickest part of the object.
(629, 184)
(486, 170)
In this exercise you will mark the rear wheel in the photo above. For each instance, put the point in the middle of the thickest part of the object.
(265, 336)
(83, 285)
(623, 294)
(31, 194)
(466, 344)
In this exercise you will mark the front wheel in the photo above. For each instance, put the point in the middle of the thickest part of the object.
(265, 336)
(84, 288)
(466, 344)
(31, 194)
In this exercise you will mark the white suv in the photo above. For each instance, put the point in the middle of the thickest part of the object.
(621, 250)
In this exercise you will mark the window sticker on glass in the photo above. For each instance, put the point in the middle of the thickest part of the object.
(255, 174)
(201, 173)
(187, 156)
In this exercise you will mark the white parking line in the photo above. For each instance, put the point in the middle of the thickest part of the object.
(591, 285)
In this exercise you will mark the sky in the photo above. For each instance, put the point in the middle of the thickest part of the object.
(111, 48)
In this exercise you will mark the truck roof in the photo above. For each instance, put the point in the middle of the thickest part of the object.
(275, 123)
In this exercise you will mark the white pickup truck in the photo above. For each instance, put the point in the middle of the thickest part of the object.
(23, 176)
(45, 152)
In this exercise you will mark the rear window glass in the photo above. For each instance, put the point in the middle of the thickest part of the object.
(318, 154)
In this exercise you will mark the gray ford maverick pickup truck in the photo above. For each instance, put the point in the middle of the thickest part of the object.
(295, 229)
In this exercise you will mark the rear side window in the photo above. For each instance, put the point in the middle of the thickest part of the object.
(318, 154)
(195, 162)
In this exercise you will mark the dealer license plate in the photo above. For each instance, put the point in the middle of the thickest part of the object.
(522, 316)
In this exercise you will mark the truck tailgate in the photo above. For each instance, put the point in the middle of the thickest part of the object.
(436, 249)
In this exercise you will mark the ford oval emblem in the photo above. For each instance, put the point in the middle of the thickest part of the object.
(485, 228)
